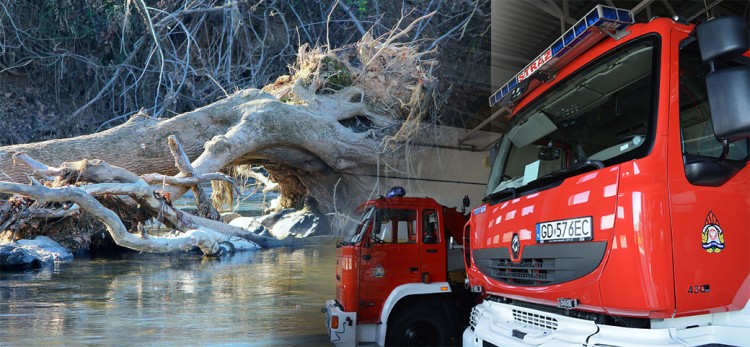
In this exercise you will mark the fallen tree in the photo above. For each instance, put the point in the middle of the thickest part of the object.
(85, 183)
(330, 116)
(339, 114)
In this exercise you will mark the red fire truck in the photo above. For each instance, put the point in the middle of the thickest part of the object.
(399, 280)
(617, 211)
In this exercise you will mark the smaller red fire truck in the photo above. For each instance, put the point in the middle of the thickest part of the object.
(400, 278)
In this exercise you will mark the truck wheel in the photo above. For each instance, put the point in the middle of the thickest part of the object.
(419, 327)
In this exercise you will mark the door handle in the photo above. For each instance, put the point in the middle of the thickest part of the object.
(413, 269)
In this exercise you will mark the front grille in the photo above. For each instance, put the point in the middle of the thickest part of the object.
(546, 323)
(338, 293)
(474, 318)
(541, 265)
(528, 271)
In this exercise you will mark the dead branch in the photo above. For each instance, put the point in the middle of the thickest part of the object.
(188, 181)
(41, 169)
(49, 213)
(395, 36)
(353, 17)
(268, 185)
(182, 162)
(207, 240)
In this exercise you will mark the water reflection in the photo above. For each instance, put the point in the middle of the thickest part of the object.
(268, 297)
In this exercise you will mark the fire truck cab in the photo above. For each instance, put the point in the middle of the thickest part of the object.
(398, 280)
(617, 211)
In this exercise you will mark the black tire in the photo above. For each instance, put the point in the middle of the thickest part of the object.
(419, 326)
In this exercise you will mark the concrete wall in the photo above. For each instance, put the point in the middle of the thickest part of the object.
(437, 168)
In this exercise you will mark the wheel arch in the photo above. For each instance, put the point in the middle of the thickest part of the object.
(435, 295)
(406, 294)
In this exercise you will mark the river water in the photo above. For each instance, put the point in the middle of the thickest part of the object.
(268, 297)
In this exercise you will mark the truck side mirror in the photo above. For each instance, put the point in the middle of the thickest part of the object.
(729, 100)
(466, 202)
(724, 39)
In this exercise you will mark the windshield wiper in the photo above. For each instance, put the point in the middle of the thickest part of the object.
(544, 181)
(502, 195)
(575, 169)
(347, 242)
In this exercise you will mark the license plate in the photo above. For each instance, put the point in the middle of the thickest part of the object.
(565, 230)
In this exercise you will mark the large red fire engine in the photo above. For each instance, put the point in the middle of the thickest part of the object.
(617, 211)
(398, 279)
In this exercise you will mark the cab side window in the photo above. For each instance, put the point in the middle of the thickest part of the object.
(430, 234)
(396, 226)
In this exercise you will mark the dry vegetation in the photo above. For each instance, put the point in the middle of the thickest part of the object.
(74, 67)
(340, 111)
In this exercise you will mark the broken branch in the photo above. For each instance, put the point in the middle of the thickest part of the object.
(182, 162)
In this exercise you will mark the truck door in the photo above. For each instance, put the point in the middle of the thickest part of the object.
(391, 258)
(433, 247)
(710, 220)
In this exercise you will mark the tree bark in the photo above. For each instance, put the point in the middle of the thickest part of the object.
(138, 144)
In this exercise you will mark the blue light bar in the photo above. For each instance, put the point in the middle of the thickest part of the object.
(396, 192)
(582, 35)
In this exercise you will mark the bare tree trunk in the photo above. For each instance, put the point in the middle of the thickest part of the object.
(138, 144)
(294, 138)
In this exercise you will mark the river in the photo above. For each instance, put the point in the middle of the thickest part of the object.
(268, 297)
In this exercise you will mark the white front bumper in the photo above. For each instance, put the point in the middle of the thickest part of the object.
(346, 333)
(508, 325)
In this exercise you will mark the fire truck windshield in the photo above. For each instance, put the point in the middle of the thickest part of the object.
(598, 116)
(364, 224)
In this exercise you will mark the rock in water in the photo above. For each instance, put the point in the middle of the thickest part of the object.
(32, 254)
(286, 223)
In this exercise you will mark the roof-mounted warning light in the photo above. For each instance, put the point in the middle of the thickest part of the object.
(396, 192)
(601, 21)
